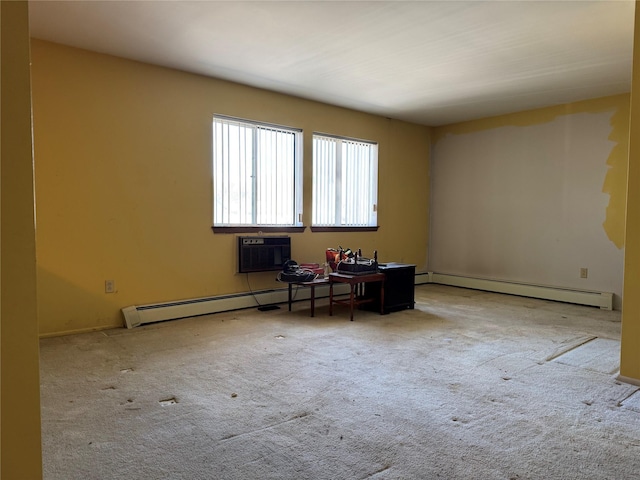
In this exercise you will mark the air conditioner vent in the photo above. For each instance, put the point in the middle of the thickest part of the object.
(262, 254)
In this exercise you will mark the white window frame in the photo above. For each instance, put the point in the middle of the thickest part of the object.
(345, 182)
(256, 186)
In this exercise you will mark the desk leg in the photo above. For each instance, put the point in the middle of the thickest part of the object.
(382, 297)
(330, 298)
(351, 299)
(289, 296)
(313, 299)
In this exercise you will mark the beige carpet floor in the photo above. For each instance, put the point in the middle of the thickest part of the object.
(469, 385)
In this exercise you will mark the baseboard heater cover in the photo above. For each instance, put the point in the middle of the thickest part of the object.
(629, 380)
(603, 300)
(135, 316)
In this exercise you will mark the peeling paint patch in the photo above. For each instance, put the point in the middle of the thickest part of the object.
(615, 182)
(533, 117)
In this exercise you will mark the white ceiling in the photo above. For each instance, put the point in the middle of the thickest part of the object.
(430, 62)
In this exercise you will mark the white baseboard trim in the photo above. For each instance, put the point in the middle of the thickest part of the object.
(158, 312)
(629, 380)
(603, 300)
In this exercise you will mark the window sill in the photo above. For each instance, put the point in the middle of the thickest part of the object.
(283, 229)
(251, 229)
(345, 229)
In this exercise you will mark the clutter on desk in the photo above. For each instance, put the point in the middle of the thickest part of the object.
(292, 272)
(313, 267)
(353, 263)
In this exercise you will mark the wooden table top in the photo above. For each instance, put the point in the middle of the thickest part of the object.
(346, 278)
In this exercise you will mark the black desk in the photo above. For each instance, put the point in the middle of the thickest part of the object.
(399, 285)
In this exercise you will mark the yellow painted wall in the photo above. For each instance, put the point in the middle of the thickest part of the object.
(630, 345)
(20, 392)
(124, 188)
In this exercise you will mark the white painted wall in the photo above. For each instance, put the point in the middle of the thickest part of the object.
(525, 203)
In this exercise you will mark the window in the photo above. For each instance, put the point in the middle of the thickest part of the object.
(257, 174)
(345, 182)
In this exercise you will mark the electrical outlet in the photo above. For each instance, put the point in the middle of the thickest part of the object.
(109, 286)
(584, 272)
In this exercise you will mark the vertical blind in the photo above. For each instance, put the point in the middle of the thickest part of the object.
(345, 178)
(255, 170)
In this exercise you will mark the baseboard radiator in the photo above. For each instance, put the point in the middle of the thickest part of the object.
(139, 315)
(603, 300)
(135, 316)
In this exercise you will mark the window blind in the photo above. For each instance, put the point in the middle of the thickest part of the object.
(345, 182)
(256, 174)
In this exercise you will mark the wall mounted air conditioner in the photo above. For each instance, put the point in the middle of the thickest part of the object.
(263, 254)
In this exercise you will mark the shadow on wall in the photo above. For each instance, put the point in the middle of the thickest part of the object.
(89, 308)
